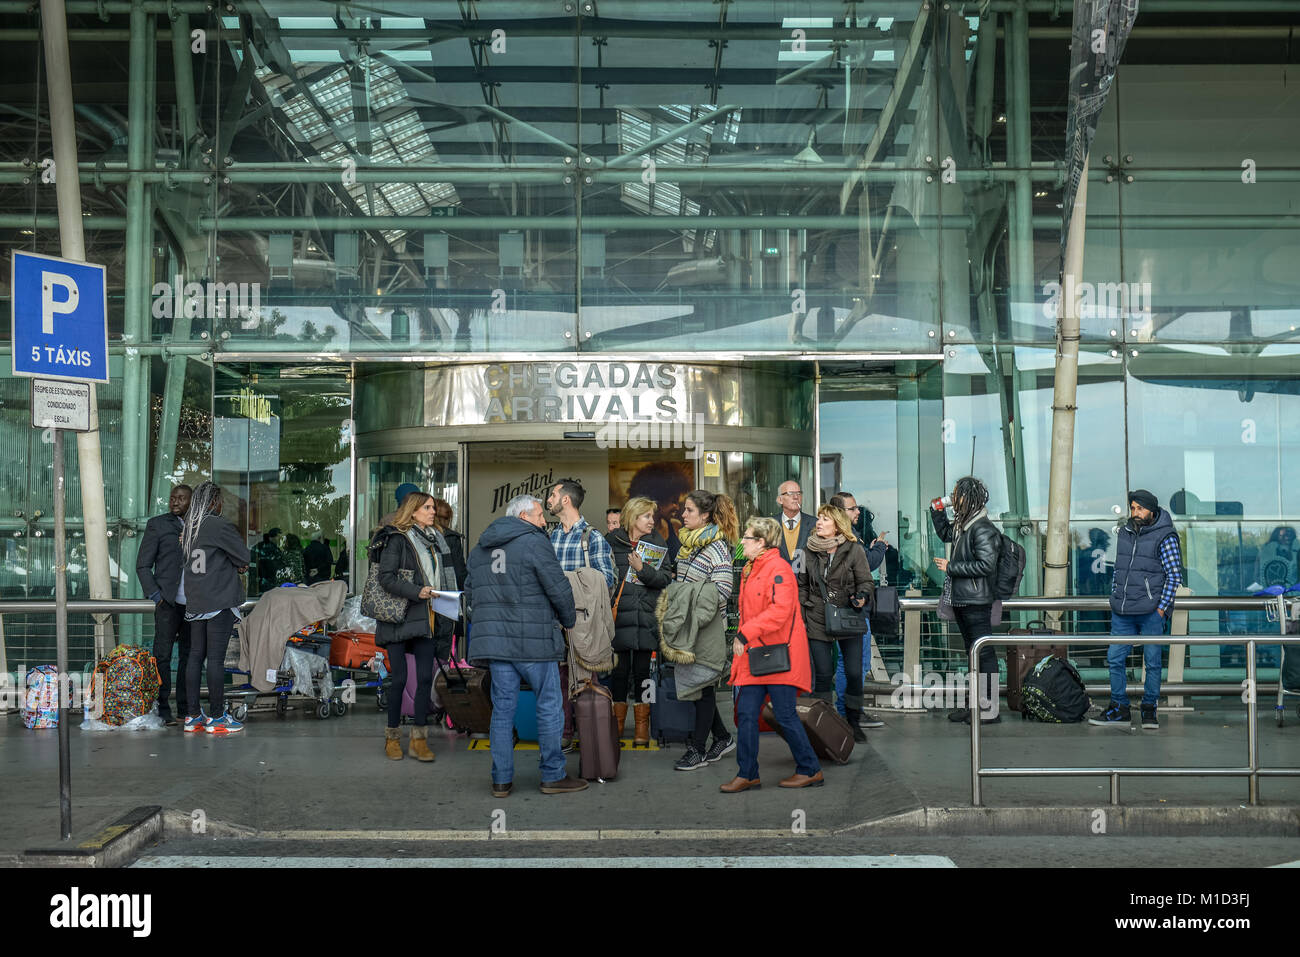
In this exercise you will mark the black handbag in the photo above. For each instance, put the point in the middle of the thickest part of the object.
(885, 600)
(842, 622)
(769, 659)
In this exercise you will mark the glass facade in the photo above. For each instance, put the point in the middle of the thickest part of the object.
(292, 197)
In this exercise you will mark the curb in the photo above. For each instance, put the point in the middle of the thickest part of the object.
(1159, 821)
(115, 846)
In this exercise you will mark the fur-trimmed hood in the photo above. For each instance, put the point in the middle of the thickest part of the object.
(692, 628)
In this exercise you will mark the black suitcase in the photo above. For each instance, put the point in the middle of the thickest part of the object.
(671, 721)
(466, 695)
(1022, 658)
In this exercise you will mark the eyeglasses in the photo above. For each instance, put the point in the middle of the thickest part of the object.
(749, 538)
(793, 494)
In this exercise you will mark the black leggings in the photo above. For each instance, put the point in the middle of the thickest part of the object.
(637, 663)
(824, 669)
(707, 719)
(424, 648)
(208, 639)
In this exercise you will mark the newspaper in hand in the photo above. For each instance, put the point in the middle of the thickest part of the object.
(650, 553)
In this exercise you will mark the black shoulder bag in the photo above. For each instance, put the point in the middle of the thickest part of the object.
(841, 622)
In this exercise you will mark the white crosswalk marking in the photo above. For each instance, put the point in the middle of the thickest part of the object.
(899, 860)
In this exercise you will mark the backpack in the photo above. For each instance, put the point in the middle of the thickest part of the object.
(1054, 692)
(591, 639)
(1011, 568)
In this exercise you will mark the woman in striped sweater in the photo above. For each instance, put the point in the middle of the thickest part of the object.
(708, 536)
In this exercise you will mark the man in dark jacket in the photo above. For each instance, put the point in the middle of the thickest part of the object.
(1148, 571)
(158, 566)
(796, 524)
(318, 559)
(519, 601)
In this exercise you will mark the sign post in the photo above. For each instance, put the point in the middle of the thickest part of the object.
(60, 341)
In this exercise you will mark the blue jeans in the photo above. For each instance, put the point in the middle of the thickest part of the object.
(1117, 656)
(749, 702)
(544, 678)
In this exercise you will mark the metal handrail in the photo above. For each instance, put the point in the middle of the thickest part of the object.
(103, 606)
(1251, 771)
(1102, 603)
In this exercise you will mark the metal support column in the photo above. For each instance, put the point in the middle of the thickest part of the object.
(1019, 156)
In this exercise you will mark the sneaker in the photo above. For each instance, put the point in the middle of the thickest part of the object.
(567, 746)
(566, 785)
(196, 724)
(1149, 721)
(1113, 716)
(720, 749)
(869, 720)
(224, 725)
(691, 760)
(502, 790)
(959, 715)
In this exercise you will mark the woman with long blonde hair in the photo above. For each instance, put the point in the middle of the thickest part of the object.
(836, 572)
(636, 635)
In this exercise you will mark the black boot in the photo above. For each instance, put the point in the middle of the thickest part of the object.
(854, 717)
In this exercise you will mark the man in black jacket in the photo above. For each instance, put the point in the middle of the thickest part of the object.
(318, 558)
(520, 600)
(158, 566)
(972, 571)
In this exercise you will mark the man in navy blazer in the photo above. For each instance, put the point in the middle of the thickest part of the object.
(158, 566)
(796, 524)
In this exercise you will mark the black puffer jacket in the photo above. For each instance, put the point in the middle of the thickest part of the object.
(394, 553)
(973, 566)
(634, 626)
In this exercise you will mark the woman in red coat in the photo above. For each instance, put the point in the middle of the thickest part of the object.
(769, 615)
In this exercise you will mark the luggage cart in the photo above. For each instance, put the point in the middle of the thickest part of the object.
(244, 696)
(1286, 614)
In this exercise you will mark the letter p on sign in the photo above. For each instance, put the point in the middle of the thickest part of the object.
(49, 305)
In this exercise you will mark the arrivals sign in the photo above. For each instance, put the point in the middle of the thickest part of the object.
(60, 318)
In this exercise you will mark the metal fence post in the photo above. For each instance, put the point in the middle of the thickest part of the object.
(912, 639)
(1177, 653)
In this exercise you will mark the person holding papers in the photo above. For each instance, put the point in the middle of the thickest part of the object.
(639, 555)
(410, 567)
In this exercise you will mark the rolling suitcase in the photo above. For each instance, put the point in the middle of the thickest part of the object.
(598, 744)
(1022, 658)
(828, 733)
(437, 715)
(526, 715)
(671, 720)
(355, 650)
(466, 695)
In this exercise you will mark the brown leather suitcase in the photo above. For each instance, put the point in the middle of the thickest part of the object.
(828, 733)
(466, 694)
(1022, 658)
(598, 744)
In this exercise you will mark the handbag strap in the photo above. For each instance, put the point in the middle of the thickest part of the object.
(619, 595)
(822, 580)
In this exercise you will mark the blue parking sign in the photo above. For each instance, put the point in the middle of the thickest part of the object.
(60, 318)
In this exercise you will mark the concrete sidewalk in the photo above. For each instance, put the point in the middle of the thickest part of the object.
(284, 777)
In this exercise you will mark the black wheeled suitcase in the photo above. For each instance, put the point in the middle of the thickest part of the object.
(671, 721)
(1021, 660)
(466, 696)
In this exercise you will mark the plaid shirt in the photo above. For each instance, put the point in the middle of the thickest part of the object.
(568, 549)
(1171, 559)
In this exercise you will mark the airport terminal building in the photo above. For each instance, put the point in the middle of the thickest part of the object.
(666, 244)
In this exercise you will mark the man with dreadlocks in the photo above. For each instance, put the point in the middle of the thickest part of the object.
(210, 589)
(972, 577)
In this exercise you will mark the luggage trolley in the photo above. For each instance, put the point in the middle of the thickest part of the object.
(1286, 614)
(243, 695)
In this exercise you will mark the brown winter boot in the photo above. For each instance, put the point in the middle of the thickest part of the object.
(620, 719)
(393, 743)
(419, 747)
(641, 737)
